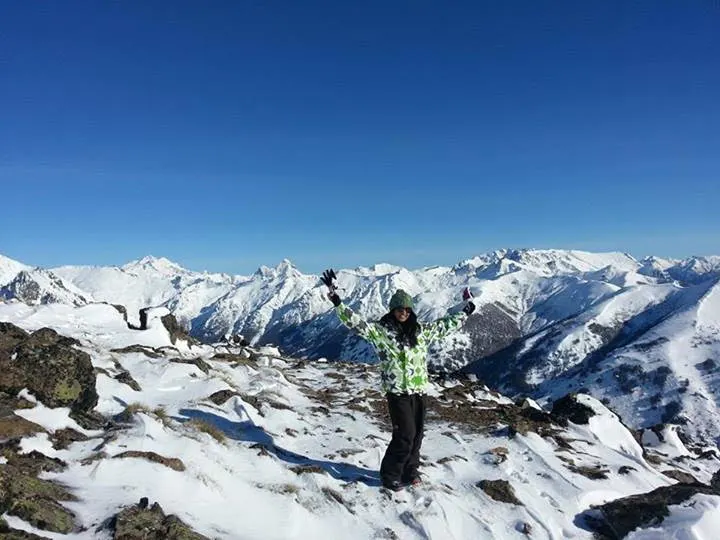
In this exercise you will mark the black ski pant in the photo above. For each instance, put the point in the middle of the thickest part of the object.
(402, 457)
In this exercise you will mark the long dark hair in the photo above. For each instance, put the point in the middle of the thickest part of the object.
(407, 332)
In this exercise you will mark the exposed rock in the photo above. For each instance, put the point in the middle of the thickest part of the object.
(258, 400)
(40, 286)
(707, 365)
(625, 469)
(148, 351)
(174, 329)
(715, 482)
(236, 359)
(175, 464)
(680, 476)
(481, 416)
(500, 490)
(500, 453)
(141, 523)
(143, 318)
(63, 438)
(11, 335)
(8, 533)
(302, 469)
(568, 408)
(89, 419)
(45, 337)
(220, 397)
(621, 516)
(126, 378)
(13, 426)
(671, 412)
(16, 427)
(201, 364)
(593, 472)
(33, 463)
(122, 310)
(448, 459)
(51, 369)
(35, 500)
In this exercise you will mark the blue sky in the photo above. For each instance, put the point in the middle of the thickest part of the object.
(226, 135)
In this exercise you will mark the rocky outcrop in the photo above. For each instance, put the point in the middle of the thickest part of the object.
(568, 408)
(122, 310)
(616, 519)
(35, 501)
(12, 426)
(174, 329)
(11, 335)
(40, 286)
(49, 366)
(139, 522)
(175, 464)
(499, 490)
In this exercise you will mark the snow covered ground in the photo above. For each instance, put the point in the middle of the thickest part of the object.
(292, 449)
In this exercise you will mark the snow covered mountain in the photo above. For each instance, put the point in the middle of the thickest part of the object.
(9, 269)
(239, 442)
(39, 286)
(149, 282)
(548, 321)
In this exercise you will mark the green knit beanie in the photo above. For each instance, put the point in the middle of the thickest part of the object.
(401, 299)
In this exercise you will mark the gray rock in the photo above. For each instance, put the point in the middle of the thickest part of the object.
(49, 366)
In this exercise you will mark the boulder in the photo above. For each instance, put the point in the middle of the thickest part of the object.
(49, 366)
(34, 500)
(618, 518)
(174, 329)
(10, 335)
(139, 522)
(568, 408)
(500, 490)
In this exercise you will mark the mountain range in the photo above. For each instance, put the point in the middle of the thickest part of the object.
(641, 335)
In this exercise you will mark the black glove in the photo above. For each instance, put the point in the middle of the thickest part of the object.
(469, 308)
(328, 279)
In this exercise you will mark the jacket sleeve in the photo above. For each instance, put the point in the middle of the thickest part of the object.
(367, 330)
(441, 328)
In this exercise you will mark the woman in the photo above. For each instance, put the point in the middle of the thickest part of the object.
(401, 344)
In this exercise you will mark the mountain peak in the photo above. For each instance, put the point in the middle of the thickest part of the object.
(285, 264)
(9, 268)
(285, 268)
(159, 264)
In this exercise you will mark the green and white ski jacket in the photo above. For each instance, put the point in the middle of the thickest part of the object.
(403, 369)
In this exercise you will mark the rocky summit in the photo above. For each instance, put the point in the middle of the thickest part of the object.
(136, 434)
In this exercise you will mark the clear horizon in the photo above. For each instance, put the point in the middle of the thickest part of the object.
(231, 136)
(273, 264)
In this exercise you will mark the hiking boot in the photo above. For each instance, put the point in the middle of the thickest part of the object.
(413, 480)
(395, 485)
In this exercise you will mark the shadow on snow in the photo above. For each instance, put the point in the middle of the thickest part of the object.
(247, 431)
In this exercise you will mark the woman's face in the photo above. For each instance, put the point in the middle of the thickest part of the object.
(402, 314)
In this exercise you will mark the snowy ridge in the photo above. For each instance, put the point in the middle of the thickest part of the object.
(296, 446)
(548, 321)
(39, 286)
(662, 369)
(9, 269)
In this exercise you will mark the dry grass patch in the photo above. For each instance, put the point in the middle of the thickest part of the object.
(163, 416)
(282, 489)
(206, 427)
(135, 408)
(175, 464)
